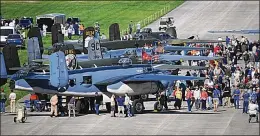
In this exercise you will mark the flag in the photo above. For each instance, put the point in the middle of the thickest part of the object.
(145, 56)
(156, 58)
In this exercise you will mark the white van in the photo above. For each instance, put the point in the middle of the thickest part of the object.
(4, 32)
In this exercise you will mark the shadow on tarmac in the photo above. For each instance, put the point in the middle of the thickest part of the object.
(178, 112)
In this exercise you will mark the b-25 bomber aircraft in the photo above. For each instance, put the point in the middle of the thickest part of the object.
(129, 78)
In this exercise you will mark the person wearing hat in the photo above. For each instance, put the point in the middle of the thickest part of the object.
(3, 100)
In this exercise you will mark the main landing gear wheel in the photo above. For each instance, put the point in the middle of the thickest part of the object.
(138, 106)
(84, 106)
(158, 106)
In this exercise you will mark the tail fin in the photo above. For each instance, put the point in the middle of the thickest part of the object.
(11, 59)
(59, 76)
(3, 72)
(94, 49)
(33, 50)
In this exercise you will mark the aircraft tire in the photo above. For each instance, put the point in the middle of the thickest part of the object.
(157, 106)
(84, 106)
(108, 106)
(138, 106)
(159, 28)
(144, 97)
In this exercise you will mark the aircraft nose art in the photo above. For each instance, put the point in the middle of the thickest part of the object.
(119, 88)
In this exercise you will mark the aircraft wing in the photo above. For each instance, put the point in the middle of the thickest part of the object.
(156, 77)
(172, 67)
(182, 41)
(180, 57)
(180, 48)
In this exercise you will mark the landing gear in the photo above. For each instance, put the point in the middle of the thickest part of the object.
(158, 106)
(84, 106)
(108, 106)
(138, 106)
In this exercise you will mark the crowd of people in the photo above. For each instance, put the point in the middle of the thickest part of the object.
(227, 82)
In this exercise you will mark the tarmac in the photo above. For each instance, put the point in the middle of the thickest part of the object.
(198, 17)
(191, 18)
(228, 121)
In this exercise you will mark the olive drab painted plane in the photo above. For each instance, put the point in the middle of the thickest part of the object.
(134, 79)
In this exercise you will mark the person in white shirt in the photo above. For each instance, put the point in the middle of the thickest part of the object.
(113, 105)
(12, 98)
(128, 105)
(253, 110)
(138, 27)
(103, 37)
(197, 95)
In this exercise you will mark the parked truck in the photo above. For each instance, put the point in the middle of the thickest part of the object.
(50, 19)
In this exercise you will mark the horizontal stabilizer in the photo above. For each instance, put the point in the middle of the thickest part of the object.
(156, 77)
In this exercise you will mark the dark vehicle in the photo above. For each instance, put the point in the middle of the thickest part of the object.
(15, 39)
(25, 23)
(50, 19)
(30, 18)
(73, 20)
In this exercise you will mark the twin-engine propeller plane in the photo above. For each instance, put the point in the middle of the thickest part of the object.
(134, 79)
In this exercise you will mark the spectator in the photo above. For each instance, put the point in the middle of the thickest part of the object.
(188, 98)
(34, 99)
(253, 110)
(71, 106)
(97, 103)
(138, 27)
(70, 30)
(12, 98)
(131, 27)
(3, 100)
(113, 106)
(236, 97)
(197, 96)
(216, 95)
(54, 107)
(178, 96)
(246, 101)
(103, 36)
(120, 102)
(128, 105)
(204, 96)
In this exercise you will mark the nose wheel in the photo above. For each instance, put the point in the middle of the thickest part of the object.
(138, 106)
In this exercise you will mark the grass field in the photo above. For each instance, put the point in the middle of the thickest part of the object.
(89, 12)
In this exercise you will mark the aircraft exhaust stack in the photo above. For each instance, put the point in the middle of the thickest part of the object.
(59, 76)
